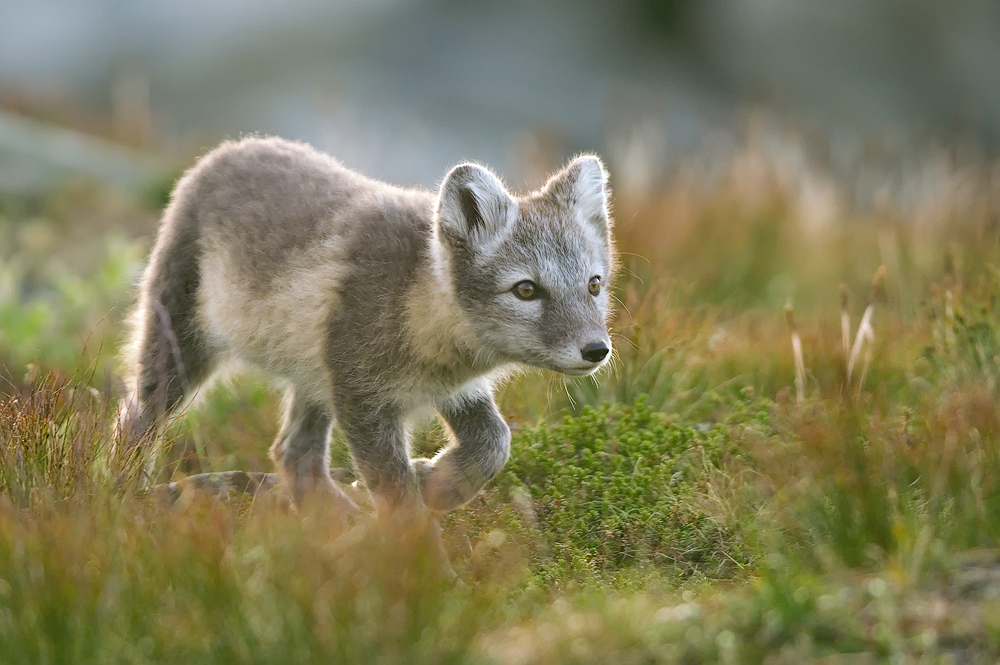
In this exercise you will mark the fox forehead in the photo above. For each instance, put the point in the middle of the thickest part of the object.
(553, 250)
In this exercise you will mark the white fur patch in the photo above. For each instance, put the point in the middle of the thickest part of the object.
(283, 331)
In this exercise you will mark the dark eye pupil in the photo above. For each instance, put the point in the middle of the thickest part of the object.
(595, 285)
(525, 289)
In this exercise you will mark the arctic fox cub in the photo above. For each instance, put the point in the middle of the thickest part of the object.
(373, 305)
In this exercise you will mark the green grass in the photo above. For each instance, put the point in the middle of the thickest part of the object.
(682, 508)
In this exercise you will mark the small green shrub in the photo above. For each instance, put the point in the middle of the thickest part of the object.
(625, 486)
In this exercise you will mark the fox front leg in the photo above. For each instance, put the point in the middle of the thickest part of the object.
(477, 453)
(378, 441)
(377, 438)
(301, 453)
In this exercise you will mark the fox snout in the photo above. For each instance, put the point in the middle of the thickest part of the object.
(595, 352)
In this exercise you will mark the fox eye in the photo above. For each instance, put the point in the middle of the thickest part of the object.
(525, 290)
(594, 286)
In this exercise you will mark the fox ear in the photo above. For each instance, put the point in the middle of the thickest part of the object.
(583, 185)
(474, 204)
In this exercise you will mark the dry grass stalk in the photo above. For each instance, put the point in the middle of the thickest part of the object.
(800, 366)
(949, 312)
(868, 359)
(865, 332)
(845, 321)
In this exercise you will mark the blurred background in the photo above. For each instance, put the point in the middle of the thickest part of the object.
(759, 151)
(402, 89)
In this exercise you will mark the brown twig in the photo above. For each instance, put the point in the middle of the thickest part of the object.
(224, 483)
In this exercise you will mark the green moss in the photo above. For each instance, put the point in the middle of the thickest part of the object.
(622, 486)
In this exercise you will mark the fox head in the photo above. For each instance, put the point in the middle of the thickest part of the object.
(532, 273)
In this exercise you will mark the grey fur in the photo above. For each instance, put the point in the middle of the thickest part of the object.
(373, 304)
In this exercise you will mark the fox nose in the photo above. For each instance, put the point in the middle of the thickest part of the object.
(595, 351)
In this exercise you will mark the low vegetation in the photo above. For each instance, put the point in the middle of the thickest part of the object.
(715, 496)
